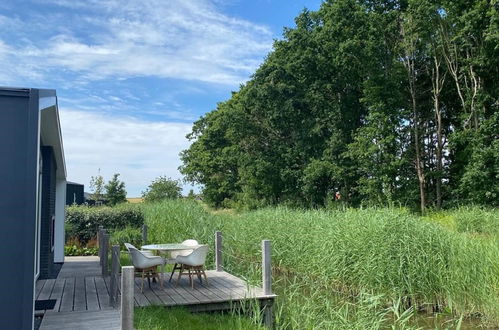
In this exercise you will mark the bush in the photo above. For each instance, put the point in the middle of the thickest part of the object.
(127, 235)
(82, 222)
(74, 250)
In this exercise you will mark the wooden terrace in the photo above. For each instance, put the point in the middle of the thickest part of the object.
(84, 297)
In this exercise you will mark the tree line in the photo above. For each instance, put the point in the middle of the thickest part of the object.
(377, 101)
(114, 192)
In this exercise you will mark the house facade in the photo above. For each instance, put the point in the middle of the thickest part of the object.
(75, 194)
(32, 199)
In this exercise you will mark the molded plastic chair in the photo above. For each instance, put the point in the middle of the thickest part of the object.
(144, 252)
(195, 262)
(175, 254)
(147, 265)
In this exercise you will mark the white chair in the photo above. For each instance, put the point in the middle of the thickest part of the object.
(175, 254)
(147, 265)
(144, 252)
(195, 262)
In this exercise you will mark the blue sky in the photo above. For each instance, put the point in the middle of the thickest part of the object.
(133, 75)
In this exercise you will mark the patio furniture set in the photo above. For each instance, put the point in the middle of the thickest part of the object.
(187, 257)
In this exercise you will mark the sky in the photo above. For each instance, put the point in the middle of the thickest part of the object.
(133, 75)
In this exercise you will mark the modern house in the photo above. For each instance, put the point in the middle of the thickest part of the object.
(32, 199)
(75, 193)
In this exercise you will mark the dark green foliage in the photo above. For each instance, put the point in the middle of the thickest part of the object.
(127, 235)
(115, 191)
(387, 102)
(162, 188)
(82, 222)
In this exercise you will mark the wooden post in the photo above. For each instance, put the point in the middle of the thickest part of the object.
(218, 251)
(266, 267)
(115, 268)
(144, 234)
(105, 250)
(127, 275)
(268, 318)
(99, 241)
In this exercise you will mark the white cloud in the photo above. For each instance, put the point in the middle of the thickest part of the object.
(189, 40)
(139, 150)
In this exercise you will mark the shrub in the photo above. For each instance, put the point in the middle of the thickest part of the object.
(74, 250)
(127, 235)
(82, 222)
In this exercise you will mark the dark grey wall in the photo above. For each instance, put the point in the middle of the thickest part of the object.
(18, 173)
(48, 211)
(74, 194)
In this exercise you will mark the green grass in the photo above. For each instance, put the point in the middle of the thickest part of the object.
(350, 269)
(157, 318)
(472, 220)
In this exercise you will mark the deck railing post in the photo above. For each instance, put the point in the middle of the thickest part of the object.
(268, 318)
(144, 234)
(218, 251)
(266, 267)
(105, 250)
(127, 275)
(99, 242)
(115, 268)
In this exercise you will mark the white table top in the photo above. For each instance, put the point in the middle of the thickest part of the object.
(168, 247)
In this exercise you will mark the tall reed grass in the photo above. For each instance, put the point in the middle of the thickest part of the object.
(347, 269)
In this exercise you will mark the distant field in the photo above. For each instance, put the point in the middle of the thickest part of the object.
(134, 200)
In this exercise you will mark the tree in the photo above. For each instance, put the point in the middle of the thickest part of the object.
(115, 191)
(386, 101)
(97, 187)
(162, 188)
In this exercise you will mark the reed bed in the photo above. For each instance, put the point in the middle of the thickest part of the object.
(349, 269)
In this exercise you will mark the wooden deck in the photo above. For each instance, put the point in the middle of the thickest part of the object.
(82, 295)
(222, 291)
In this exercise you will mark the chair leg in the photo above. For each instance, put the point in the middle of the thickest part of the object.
(190, 279)
(149, 275)
(142, 283)
(198, 274)
(173, 271)
(179, 274)
(160, 279)
(204, 274)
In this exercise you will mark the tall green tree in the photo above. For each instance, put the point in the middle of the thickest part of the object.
(115, 191)
(385, 101)
(162, 188)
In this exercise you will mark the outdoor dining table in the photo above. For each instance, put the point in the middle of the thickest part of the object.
(170, 247)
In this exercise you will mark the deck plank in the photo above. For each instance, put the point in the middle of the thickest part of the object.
(91, 291)
(83, 320)
(38, 287)
(102, 293)
(57, 292)
(140, 298)
(47, 289)
(80, 300)
(68, 295)
(173, 294)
